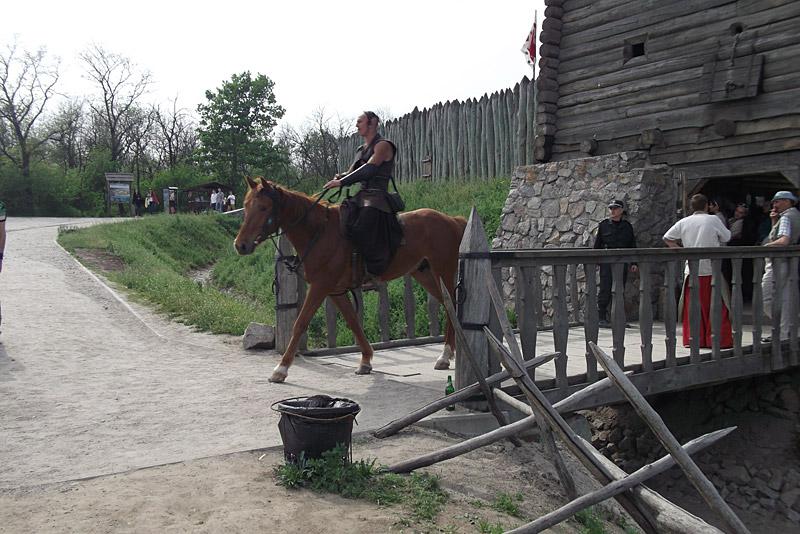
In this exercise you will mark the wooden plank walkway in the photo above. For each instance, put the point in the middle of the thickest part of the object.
(414, 364)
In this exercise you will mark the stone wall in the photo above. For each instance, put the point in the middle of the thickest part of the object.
(756, 468)
(560, 204)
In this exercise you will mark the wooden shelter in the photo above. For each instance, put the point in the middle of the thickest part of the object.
(710, 88)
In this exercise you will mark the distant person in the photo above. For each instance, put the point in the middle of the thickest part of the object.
(220, 200)
(785, 232)
(2, 243)
(154, 203)
(231, 201)
(173, 201)
(700, 229)
(715, 209)
(138, 203)
(613, 232)
(736, 224)
(212, 201)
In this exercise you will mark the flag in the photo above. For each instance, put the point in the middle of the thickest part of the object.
(529, 48)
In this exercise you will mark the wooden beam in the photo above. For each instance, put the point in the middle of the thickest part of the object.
(656, 424)
(548, 415)
(462, 394)
(618, 486)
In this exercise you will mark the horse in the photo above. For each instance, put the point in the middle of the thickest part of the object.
(429, 252)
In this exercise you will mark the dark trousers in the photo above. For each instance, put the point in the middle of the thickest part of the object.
(376, 235)
(604, 291)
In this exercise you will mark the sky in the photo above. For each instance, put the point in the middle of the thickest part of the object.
(340, 56)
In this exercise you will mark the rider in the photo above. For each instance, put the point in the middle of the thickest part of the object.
(374, 228)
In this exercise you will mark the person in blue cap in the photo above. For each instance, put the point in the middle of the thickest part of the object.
(785, 231)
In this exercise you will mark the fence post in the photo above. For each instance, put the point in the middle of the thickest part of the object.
(473, 298)
(287, 298)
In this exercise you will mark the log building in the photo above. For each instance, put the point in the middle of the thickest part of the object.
(710, 88)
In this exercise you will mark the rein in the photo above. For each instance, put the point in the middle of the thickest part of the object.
(292, 262)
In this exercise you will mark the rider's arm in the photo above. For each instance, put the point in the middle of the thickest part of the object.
(383, 152)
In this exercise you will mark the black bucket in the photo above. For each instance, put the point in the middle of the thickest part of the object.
(313, 425)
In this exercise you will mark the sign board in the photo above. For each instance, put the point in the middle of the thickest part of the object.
(119, 192)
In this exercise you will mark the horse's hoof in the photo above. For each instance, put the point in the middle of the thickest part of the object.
(441, 365)
(279, 374)
(364, 369)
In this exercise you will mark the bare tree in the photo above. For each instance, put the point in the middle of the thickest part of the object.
(121, 86)
(177, 139)
(315, 147)
(68, 145)
(140, 132)
(27, 81)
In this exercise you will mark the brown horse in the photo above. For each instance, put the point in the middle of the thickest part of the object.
(429, 252)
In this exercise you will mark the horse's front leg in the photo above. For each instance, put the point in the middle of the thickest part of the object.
(350, 317)
(313, 299)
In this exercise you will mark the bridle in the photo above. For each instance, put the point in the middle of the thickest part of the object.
(271, 229)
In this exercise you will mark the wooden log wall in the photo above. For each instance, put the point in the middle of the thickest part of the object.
(718, 80)
(477, 138)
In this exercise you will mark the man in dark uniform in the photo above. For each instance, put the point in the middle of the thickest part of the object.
(613, 232)
(373, 227)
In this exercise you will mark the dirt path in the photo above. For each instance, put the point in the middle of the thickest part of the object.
(88, 388)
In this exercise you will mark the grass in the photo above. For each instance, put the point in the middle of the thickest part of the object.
(159, 253)
(508, 504)
(360, 480)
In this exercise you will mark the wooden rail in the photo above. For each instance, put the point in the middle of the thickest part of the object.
(569, 273)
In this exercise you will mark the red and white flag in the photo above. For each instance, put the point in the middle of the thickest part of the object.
(529, 48)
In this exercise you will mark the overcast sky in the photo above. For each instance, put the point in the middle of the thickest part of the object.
(341, 55)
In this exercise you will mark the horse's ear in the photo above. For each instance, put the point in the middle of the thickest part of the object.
(250, 182)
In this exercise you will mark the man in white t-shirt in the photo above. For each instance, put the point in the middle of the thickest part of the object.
(231, 201)
(701, 229)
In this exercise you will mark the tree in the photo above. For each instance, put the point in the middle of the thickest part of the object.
(315, 147)
(177, 139)
(68, 146)
(27, 81)
(121, 86)
(236, 124)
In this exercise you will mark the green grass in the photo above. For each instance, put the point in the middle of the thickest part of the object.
(508, 504)
(420, 493)
(159, 252)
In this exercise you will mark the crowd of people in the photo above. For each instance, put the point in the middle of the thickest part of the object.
(768, 223)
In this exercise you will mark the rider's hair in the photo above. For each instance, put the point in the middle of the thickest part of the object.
(371, 115)
(699, 202)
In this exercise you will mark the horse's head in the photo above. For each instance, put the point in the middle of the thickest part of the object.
(261, 208)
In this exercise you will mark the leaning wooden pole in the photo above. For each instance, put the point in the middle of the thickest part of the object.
(540, 403)
(565, 406)
(618, 486)
(464, 350)
(460, 395)
(656, 424)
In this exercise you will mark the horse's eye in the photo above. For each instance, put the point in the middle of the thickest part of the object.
(262, 208)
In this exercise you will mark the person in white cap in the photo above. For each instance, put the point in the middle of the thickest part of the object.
(785, 231)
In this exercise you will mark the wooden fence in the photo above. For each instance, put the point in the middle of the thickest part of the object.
(477, 138)
(748, 355)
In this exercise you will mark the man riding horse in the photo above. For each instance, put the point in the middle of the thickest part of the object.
(372, 225)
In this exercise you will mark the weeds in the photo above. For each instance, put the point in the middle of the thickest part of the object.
(591, 521)
(508, 504)
(360, 480)
(484, 527)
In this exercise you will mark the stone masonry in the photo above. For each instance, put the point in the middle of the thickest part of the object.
(560, 204)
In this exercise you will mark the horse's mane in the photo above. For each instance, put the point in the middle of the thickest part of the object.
(302, 201)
